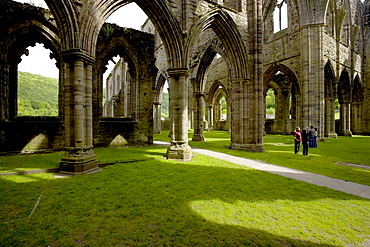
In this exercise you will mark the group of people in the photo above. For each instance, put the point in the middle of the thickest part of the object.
(308, 138)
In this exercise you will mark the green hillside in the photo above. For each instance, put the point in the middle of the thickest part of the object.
(37, 95)
(164, 106)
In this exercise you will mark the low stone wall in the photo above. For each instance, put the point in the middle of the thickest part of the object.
(29, 134)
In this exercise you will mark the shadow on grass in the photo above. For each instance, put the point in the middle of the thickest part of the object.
(156, 202)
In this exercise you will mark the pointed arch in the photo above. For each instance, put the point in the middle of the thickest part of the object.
(344, 87)
(159, 84)
(358, 91)
(216, 86)
(330, 84)
(163, 20)
(227, 31)
(271, 72)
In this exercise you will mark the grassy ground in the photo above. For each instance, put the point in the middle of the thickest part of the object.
(157, 202)
(325, 160)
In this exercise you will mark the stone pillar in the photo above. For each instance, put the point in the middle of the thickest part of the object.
(179, 147)
(210, 117)
(345, 116)
(157, 117)
(356, 117)
(247, 117)
(198, 117)
(4, 91)
(13, 91)
(330, 118)
(77, 90)
(313, 76)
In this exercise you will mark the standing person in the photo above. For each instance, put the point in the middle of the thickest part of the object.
(305, 142)
(314, 145)
(311, 135)
(297, 139)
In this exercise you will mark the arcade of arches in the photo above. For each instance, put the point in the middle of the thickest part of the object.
(219, 58)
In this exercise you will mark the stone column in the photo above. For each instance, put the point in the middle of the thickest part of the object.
(345, 116)
(178, 85)
(210, 117)
(198, 117)
(157, 117)
(330, 118)
(4, 91)
(247, 116)
(356, 117)
(312, 77)
(77, 81)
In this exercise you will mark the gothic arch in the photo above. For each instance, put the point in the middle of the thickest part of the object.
(271, 72)
(121, 42)
(344, 87)
(159, 84)
(226, 30)
(216, 86)
(356, 109)
(345, 98)
(287, 98)
(330, 84)
(30, 34)
(15, 46)
(358, 91)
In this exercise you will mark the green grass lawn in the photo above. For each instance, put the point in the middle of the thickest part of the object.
(203, 202)
(324, 160)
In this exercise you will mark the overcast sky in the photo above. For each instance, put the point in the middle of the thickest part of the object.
(38, 61)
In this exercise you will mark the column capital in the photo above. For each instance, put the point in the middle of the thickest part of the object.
(239, 80)
(199, 94)
(77, 54)
(178, 72)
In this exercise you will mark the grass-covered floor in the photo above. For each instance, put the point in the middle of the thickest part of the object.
(326, 160)
(204, 202)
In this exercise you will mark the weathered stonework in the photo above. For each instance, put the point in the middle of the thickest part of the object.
(322, 55)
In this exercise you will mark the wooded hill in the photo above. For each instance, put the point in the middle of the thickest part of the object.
(38, 96)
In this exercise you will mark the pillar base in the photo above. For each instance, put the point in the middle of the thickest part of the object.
(332, 135)
(198, 138)
(179, 151)
(78, 161)
(345, 133)
(253, 148)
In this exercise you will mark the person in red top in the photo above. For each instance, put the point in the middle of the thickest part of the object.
(297, 139)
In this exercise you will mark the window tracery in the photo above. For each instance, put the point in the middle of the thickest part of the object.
(280, 16)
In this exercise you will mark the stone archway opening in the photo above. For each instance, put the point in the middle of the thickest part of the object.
(270, 103)
(38, 83)
(280, 102)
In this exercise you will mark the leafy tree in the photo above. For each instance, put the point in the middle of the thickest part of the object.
(165, 106)
(37, 95)
(270, 102)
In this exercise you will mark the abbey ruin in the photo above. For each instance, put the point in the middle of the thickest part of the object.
(311, 53)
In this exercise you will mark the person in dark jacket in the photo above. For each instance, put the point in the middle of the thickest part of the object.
(305, 139)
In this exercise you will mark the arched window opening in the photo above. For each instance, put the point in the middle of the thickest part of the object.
(337, 110)
(270, 104)
(280, 16)
(116, 93)
(38, 83)
(130, 15)
(37, 3)
(223, 104)
(165, 102)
